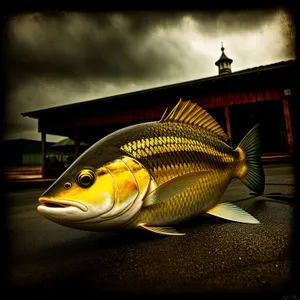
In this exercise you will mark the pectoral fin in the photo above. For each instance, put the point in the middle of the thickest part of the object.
(231, 212)
(161, 230)
(173, 187)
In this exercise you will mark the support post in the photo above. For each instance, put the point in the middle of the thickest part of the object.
(227, 120)
(76, 141)
(288, 125)
(43, 155)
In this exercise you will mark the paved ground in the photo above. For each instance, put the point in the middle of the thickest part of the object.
(214, 256)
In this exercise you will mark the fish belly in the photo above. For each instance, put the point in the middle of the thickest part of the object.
(194, 201)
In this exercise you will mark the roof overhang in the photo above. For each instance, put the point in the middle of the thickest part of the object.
(118, 99)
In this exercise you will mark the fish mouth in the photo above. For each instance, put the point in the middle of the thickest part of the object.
(50, 204)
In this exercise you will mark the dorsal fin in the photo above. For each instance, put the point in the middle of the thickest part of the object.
(191, 113)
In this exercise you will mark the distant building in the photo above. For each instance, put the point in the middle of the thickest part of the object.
(23, 152)
(237, 100)
(65, 148)
(23, 157)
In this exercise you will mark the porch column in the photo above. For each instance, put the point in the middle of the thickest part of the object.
(76, 141)
(43, 155)
(227, 120)
(288, 124)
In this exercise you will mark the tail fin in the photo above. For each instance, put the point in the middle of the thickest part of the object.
(253, 173)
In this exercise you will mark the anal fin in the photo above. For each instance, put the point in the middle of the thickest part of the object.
(231, 212)
(161, 230)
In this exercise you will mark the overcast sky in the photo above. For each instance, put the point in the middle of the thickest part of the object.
(62, 58)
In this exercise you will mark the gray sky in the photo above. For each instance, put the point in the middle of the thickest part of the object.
(61, 58)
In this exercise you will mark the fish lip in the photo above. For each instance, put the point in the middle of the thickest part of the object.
(62, 203)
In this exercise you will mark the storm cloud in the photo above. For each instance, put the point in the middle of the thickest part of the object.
(60, 58)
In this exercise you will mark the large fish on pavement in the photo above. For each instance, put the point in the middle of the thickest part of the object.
(156, 174)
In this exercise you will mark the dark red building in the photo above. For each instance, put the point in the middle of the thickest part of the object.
(238, 101)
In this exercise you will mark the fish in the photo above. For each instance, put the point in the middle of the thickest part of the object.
(155, 175)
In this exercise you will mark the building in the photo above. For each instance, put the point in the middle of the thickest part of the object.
(237, 100)
(23, 152)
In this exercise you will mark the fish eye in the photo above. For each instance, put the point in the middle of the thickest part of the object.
(67, 185)
(85, 178)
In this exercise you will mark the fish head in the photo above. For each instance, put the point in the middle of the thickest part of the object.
(96, 196)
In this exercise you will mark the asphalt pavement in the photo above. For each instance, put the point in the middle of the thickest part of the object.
(215, 255)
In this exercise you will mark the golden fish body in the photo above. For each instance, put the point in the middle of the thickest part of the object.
(154, 175)
(176, 150)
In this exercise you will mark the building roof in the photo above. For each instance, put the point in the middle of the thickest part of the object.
(260, 69)
(24, 141)
(23, 146)
(223, 57)
(68, 142)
